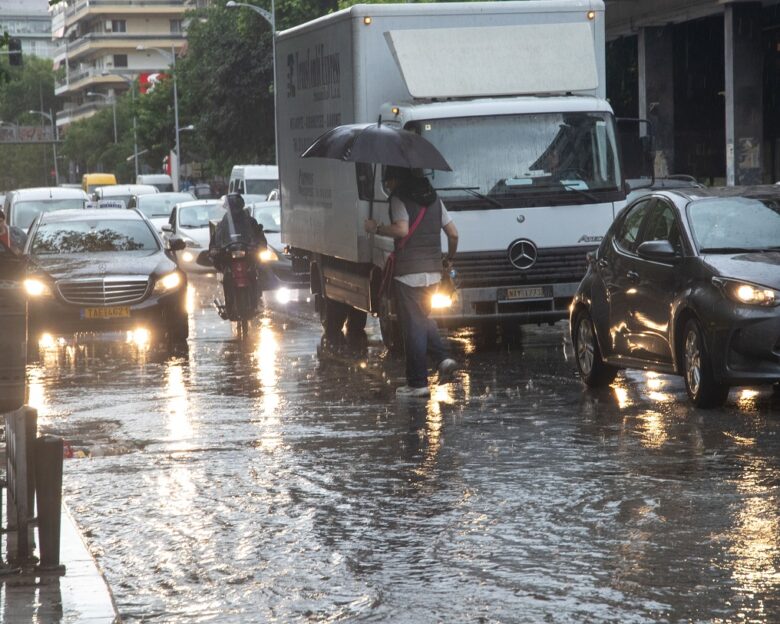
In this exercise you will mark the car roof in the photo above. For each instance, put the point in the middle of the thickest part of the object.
(764, 191)
(161, 196)
(49, 192)
(198, 202)
(126, 189)
(63, 216)
(264, 204)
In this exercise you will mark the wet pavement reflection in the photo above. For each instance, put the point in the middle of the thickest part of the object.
(279, 479)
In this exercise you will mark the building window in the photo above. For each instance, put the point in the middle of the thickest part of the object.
(120, 60)
(119, 26)
(176, 26)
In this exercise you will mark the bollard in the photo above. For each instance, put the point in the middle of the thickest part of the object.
(21, 429)
(13, 337)
(48, 496)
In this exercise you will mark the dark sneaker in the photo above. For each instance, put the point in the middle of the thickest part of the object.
(411, 391)
(446, 368)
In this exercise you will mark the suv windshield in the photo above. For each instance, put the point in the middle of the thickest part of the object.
(161, 205)
(93, 235)
(570, 155)
(24, 212)
(729, 224)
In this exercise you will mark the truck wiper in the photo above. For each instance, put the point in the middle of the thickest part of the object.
(473, 191)
(589, 196)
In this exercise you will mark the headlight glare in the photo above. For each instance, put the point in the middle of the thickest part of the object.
(440, 300)
(750, 294)
(268, 255)
(36, 287)
(168, 282)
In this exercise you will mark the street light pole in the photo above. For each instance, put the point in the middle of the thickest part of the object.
(113, 105)
(165, 54)
(131, 81)
(50, 117)
(271, 19)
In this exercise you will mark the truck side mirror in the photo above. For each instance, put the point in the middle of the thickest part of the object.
(364, 173)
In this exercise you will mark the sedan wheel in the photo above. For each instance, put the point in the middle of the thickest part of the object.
(594, 372)
(700, 382)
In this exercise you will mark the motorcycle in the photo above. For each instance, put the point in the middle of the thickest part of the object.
(236, 264)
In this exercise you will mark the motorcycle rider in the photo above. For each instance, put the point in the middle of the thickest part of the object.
(237, 226)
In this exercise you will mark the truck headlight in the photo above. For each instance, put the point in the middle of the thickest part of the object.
(268, 255)
(750, 294)
(167, 283)
(37, 288)
(440, 300)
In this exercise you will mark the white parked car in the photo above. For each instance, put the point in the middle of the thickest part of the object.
(119, 195)
(23, 205)
(189, 221)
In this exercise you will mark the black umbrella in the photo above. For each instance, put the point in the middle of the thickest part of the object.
(377, 143)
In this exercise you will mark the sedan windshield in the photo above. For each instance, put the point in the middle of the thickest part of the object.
(93, 235)
(522, 156)
(26, 211)
(733, 224)
(191, 217)
(269, 217)
(161, 204)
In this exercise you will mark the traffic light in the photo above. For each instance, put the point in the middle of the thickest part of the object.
(15, 52)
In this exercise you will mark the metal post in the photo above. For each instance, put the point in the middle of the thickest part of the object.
(21, 429)
(48, 495)
(113, 105)
(176, 121)
(54, 147)
(135, 130)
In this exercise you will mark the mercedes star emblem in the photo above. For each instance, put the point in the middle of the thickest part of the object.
(522, 254)
(520, 218)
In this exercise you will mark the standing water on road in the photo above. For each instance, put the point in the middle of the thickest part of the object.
(258, 481)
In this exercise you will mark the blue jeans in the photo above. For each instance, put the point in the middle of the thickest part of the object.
(421, 336)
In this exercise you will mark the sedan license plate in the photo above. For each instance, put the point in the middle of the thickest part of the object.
(106, 313)
(527, 292)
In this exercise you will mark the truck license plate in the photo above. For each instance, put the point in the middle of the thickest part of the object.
(106, 313)
(527, 292)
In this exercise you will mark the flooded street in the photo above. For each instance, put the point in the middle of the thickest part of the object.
(275, 480)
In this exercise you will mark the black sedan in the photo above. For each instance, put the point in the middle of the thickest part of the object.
(686, 282)
(93, 270)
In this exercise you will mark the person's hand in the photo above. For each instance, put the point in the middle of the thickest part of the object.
(370, 226)
(446, 261)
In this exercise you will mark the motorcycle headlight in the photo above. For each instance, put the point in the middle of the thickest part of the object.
(746, 293)
(35, 287)
(268, 255)
(167, 283)
(238, 253)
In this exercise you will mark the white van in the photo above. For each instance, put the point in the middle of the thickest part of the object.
(254, 182)
(162, 181)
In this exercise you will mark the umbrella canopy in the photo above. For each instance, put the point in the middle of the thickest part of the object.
(376, 143)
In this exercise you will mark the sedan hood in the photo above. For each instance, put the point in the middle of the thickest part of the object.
(199, 235)
(762, 268)
(141, 263)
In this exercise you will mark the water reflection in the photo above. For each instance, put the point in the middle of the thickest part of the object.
(265, 359)
(180, 411)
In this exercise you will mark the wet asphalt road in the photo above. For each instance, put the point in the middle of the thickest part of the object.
(262, 482)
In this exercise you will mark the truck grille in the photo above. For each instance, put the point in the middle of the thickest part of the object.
(493, 269)
(103, 292)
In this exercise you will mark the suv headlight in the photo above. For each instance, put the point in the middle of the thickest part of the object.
(746, 293)
(167, 283)
(36, 287)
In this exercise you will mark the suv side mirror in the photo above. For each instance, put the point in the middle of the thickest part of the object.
(659, 251)
(167, 227)
(177, 244)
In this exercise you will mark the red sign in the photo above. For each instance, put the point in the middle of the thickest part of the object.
(148, 80)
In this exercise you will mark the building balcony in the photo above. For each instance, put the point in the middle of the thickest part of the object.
(80, 9)
(89, 78)
(67, 116)
(86, 46)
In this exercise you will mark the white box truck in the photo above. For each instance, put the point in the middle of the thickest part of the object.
(511, 93)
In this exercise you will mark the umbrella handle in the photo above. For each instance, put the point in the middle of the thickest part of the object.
(371, 201)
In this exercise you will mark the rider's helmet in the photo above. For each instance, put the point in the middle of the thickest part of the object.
(235, 202)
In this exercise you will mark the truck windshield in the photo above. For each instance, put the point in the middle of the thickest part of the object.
(543, 158)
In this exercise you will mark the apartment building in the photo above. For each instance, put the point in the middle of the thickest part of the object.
(104, 45)
(29, 21)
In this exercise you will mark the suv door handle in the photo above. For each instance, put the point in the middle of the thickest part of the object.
(633, 276)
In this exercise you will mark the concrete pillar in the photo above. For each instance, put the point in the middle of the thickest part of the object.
(655, 64)
(744, 60)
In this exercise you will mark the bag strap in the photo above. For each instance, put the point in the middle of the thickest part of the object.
(401, 243)
(389, 269)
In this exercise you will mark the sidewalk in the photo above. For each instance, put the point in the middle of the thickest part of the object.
(81, 596)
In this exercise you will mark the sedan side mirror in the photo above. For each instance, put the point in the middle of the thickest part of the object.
(167, 227)
(659, 251)
(177, 244)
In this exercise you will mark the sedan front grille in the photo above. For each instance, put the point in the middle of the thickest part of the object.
(107, 291)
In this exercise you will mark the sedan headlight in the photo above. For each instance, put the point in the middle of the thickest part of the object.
(268, 255)
(36, 287)
(750, 294)
(167, 283)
